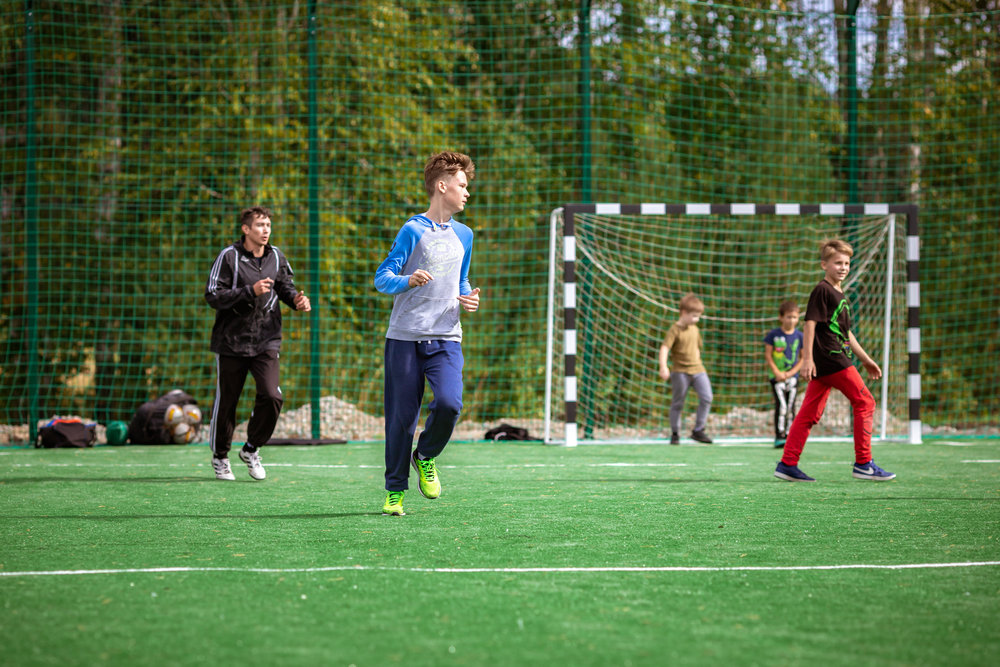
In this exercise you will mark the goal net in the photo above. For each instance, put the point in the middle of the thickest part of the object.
(623, 270)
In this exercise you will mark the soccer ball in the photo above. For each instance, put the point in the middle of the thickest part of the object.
(173, 416)
(192, 415)
(184, 433)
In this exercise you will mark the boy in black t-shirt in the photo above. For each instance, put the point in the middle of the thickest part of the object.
(827, 363)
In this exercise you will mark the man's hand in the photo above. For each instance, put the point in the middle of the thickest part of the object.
(302, 302)
(470, 302)
(262, 286)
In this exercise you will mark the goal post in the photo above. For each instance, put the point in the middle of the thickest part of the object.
(624, 267)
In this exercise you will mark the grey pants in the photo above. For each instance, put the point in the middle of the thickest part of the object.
(679, 385)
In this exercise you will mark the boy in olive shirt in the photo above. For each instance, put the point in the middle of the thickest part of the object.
(682, 349)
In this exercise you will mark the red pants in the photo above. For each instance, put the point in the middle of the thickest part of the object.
(850, 384)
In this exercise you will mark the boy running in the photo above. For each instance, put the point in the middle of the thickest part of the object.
(827, 351)
(427, 271)
(681, 350)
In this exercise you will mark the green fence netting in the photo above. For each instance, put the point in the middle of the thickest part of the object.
(133, 133)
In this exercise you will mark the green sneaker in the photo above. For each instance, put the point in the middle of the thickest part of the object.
(394, 503)
(430, 485)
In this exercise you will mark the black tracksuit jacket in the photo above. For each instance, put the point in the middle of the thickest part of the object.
(245, 324)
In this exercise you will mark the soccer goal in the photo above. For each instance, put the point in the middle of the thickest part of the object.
(615, 287)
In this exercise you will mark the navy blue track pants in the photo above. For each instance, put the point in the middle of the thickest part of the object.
(407, 365)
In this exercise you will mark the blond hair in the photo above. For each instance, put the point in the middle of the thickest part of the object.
(831, 246)
(692, 304)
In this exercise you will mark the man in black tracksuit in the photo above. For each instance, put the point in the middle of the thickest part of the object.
(247, 280)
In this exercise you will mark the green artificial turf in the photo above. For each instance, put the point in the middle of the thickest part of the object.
(147, 560)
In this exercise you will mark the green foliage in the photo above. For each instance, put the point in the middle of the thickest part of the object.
(155, 123)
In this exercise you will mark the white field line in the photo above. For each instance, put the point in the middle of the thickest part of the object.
(500, 570)
(363, 466)
(342, 466)
(196, 464)
(752, 442)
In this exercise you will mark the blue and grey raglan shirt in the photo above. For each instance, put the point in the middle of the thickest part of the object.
(431, 311)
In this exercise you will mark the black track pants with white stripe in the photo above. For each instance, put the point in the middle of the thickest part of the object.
(231, 376)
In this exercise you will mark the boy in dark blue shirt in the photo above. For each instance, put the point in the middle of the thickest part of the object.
(782, 352)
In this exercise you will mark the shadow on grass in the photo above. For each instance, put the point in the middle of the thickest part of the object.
(105, 480)
(653, 480)
(255, 517)
(922, 498)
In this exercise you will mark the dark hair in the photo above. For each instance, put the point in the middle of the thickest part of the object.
(248, 215)
(787, 307)
(446, 162)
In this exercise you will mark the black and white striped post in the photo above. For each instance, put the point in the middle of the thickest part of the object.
(832, 209)
(569, 328)
(913, 320)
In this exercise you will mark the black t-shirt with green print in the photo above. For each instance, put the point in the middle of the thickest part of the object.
(831, 311)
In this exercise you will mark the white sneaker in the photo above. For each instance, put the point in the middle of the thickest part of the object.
(222, 469)
(253, 463)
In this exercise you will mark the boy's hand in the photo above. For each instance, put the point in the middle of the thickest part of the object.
(420, 277)
(664, 374)
(808, 370)
(874, 372)
(470, 302)
(781, 376)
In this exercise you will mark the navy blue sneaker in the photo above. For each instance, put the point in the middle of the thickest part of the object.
(872, 472)
(791, 473)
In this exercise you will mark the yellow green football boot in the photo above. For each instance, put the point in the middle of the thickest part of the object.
(430, 485)
(393, 503)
